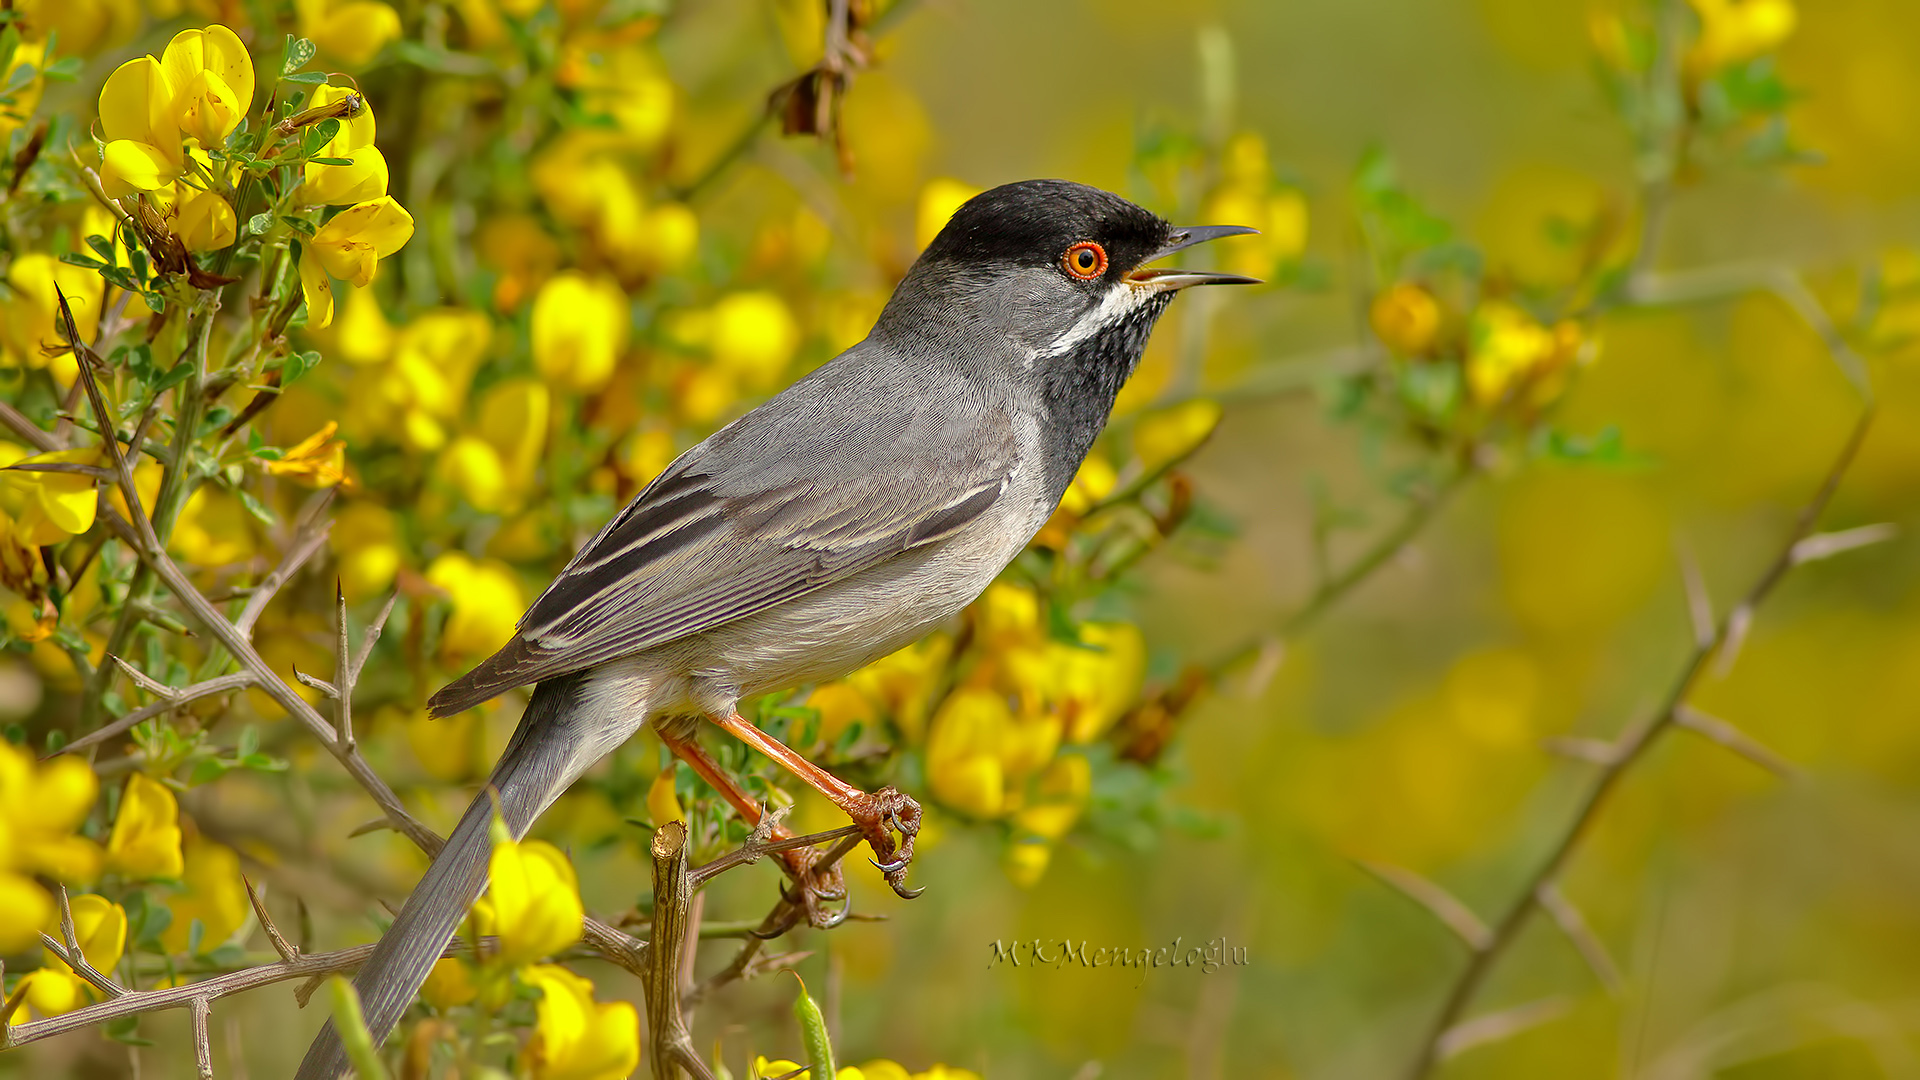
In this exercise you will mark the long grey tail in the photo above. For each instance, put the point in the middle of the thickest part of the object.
(530, 775)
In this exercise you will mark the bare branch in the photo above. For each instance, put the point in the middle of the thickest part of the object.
(286, 951)
(1699, 603)
(1581, 935)
(1826, 545)
(1438, 902)
(17, 422)
(1495, 1027)
(671, 1046)
(174, 699)
(1725, 734)
(342, 671)
(1443, 1036)
(1580, 748)
(202, 1044)
(319, 685)
(308, 540)
(141, 1002)
(72, 954)
(372, 637)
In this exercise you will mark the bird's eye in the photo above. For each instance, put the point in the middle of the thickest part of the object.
(1085, 260)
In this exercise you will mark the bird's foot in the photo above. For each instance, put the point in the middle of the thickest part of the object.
(815, 887)
(881, 815)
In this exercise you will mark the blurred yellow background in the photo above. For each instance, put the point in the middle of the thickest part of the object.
(1763, 928)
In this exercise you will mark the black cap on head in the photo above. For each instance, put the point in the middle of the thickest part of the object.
(1034, 222)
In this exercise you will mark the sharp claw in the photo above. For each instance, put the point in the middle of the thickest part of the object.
(890, 867)
(905, 893)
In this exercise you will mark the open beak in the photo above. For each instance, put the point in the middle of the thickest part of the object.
(1162, 280)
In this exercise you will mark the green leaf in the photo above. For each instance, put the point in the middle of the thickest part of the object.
(318, 136)
(296, 365)
(306, 78)
(258, 224)
(299, 53)
(175, 375)
(300, 225)
(331, 161)
(257, 508)
(74, 258)
(206, 771)
(249, 742)
(65, 69)
(103, 247)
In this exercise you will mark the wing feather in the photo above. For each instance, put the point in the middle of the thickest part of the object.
(720, 536)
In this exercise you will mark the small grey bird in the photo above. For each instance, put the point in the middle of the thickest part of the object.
(827, 528)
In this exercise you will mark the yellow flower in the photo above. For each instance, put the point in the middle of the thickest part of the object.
(764, 1067)
(753, 336)
(536, 900)
(1170, 434)
(41, 806)
(349, 31)
(1734, 31)
(214, 529)
(200, 88)
(339, 185)
(963, 753)
(487, 601)
(575, 1037)
(662, 804)
(318, 461)
(203, 220)
(1509, 349)
(1025, 862)
(363, 335)
(475, 469)
(579, 330)
(83, 27)
(349, 247)
(26, 54)
(1059, 796)
(621, 79)
(100, 928)
(366, 549)
(425, 385)
(27, 319)
(938, 200)
(215, 896)
(145, 842)
(1406, 318)
(521, 251)
(841, 705)
(1088, 685)
(47, 507)
(449, 984)
(1249, 196)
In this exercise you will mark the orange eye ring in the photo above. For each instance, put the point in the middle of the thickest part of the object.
(1084, 261)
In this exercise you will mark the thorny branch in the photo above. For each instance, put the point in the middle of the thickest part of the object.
(1540, 889)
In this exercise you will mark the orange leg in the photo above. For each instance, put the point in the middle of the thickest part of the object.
(815, 885)
(878, 814)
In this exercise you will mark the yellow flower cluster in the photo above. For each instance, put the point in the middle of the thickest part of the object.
(1248, 194)
(41, 809)
(1509, 354)
(880, 1069)
(100, 929)
(1508, 358)
(533, 907)
(1735, 31)
(994, 747)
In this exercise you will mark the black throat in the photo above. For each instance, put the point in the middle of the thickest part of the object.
(1078, 388)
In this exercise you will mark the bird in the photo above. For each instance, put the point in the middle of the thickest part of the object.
(830, 526)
